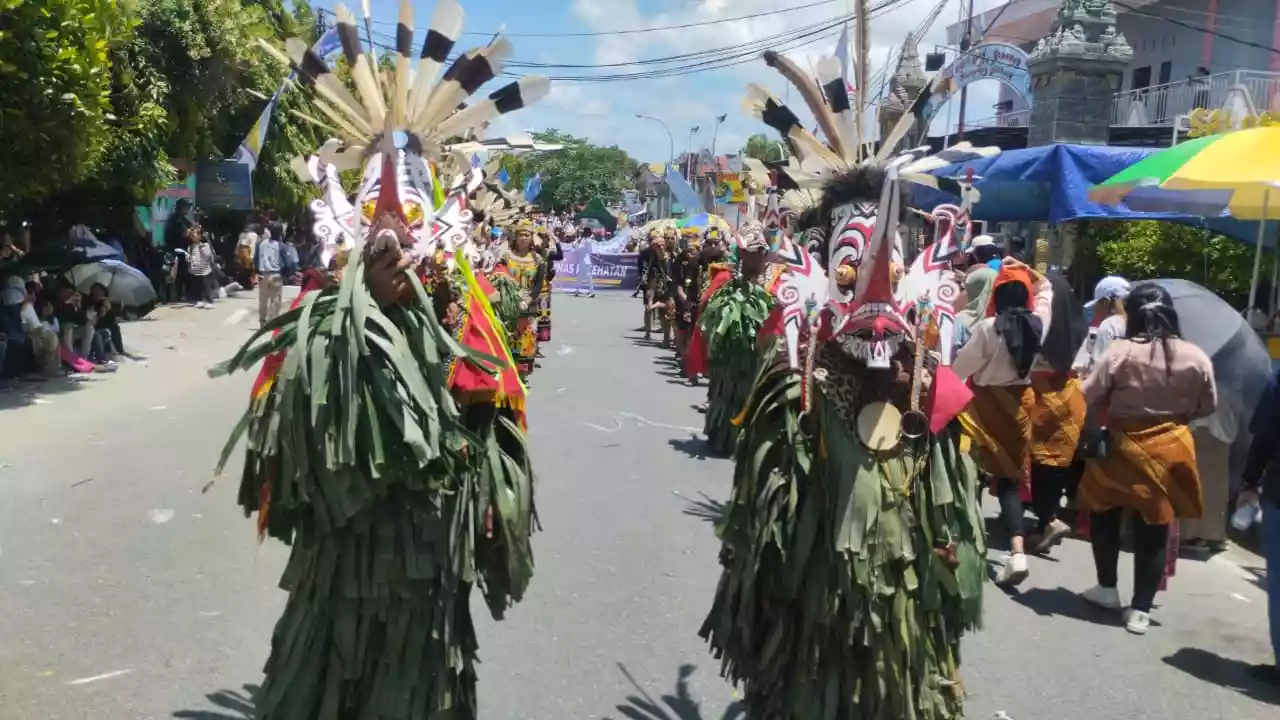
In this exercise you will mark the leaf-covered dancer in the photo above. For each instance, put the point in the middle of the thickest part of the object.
(853, 547)
(385, 435)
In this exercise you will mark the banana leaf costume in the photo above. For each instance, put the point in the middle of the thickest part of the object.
(849, 573)
(731, 320)
(385, 443)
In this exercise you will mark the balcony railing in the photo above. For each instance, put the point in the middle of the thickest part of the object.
(1162, 104)
(1018, 118)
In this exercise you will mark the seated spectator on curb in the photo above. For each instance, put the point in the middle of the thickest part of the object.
(108, 321)
(41, 340)
(76, 330)
(12, 338)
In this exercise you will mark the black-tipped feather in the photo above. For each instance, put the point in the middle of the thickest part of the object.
(404, 40)
(350, 37)
(313, 66)
(779, 117)
(837, 95)
(507, 99)
(437, 46)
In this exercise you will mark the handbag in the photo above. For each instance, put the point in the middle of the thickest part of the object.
(1095, 440)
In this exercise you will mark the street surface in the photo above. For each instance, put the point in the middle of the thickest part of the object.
(126, 593)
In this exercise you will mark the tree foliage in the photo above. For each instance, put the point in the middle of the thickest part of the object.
(55, 81)
(1150, 249)
(574, 175)
(762, 148)
(175, 81)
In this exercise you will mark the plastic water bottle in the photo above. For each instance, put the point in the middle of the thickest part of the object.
(1246, 515)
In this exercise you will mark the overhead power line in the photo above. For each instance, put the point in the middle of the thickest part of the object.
(682, 26)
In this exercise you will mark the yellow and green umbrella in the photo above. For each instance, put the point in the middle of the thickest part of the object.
(1236, 173)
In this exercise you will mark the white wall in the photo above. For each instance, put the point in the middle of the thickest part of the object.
(1155, 40)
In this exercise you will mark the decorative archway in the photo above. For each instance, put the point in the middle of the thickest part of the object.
(1002, 62)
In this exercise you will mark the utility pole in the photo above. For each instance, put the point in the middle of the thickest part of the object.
(965, 42)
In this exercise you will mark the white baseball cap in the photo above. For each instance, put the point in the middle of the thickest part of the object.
(1111, 287)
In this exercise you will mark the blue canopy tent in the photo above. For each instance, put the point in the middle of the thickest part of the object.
(1051, 184)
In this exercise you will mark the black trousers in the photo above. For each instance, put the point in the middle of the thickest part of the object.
(1010, 507)
(1048, 485)
(1149, 551)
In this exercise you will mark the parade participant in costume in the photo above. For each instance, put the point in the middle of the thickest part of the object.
(1057, 416)
(657, 280)
(386, 432)
(998, 358)
(1150, 386)
(527, 268)
(733, 314)
(686, 283)
(548, 247)
(712, 260)
(853, 544)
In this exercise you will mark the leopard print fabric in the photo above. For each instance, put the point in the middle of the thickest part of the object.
(848, 385)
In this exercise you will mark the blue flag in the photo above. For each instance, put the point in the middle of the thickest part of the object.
(532, 187)
(475, 160)
(503, 176)
(684, 194)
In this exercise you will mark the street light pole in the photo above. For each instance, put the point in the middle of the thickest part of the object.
(671, 152)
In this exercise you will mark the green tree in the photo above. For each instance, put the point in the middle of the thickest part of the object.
(55, 81)
(573, 175)
(762, 148)
(1150, 249)
(182, 87)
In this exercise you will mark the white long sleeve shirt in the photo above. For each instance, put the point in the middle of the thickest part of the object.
(986, 359)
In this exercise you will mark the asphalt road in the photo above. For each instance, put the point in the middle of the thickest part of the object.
(127, 593)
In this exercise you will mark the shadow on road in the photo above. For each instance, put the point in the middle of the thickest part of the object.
(21, 393)
(1225, 672)
(708, 508)
(694, 446)
(1065, 603)
(679, 705)
(233, 704)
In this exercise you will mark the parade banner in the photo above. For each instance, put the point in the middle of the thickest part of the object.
(609, 271)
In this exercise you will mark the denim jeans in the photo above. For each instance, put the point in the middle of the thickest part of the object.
(1271, 548)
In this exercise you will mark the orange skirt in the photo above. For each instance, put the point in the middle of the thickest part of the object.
(1057, 418)
(1150, 467)
(999, 421)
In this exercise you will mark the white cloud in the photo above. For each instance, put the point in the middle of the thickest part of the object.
(604, 111)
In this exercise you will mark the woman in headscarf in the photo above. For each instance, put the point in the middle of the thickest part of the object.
(1057, 418)
(998, 359)
(1150, 386)
(977, 290)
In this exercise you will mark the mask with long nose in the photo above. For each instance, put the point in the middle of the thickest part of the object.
(864, 267)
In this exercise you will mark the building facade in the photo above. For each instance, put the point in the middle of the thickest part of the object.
(1186, 54)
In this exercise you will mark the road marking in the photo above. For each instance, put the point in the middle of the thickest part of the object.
(640, 420)
(236, 317)
(103, 676)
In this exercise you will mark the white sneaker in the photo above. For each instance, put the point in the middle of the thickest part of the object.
(1014, 571)
(1103, 597)
(1136, 621)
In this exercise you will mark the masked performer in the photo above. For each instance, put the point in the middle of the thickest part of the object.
(385, 434)
(686, 281)
(657, 281)
(853, 542)
(998, 358)
(737, 307)
(712, 263)
(527, 268)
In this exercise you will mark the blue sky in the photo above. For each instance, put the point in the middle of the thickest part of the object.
(605, 112)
